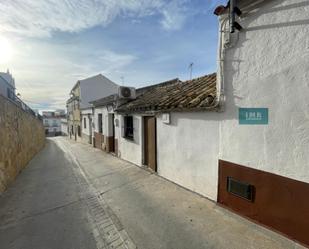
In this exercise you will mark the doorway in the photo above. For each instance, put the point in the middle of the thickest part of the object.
(90, 129)
(112, 140)
(150, 143)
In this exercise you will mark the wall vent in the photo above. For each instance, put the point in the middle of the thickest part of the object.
(240, 189)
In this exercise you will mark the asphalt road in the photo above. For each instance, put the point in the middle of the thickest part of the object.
(73, 196)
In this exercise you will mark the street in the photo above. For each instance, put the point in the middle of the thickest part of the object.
(73, 196)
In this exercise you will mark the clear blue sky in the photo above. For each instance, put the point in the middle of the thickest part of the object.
(51, 44)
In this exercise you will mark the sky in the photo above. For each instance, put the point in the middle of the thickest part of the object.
(48, 45)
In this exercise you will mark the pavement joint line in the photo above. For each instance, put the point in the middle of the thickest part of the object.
(78, 171)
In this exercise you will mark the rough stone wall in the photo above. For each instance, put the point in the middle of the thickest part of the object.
(21, 137)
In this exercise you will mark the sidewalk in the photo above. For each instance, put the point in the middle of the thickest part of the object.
(159, 214)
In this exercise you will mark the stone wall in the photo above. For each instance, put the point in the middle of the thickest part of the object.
(21, 137)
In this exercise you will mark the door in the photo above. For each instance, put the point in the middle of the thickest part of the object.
(113, 128)
(150, 143)
(90, 129)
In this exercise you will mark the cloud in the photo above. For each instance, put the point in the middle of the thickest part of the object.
(174, 15)
(45, 72)
(40, 18)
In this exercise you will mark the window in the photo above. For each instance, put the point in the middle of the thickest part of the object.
(85, 125)
(55, 123)
(100, 128)
(128, 127)
(10, 94)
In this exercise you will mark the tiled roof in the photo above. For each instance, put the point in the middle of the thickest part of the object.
(196, 94)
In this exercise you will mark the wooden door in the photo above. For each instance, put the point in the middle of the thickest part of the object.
(90, 129)
(150, 145)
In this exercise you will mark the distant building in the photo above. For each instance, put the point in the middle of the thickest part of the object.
(82, 93)
(52, 122)
(64, 127)
(7, 85)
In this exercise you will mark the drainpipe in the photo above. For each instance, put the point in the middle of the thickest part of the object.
(232, 16)
(226, 42)
(221, 54)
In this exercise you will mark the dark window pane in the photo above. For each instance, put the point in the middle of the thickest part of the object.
(100, 128)
(128, 127)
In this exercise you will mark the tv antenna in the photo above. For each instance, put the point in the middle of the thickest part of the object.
(191, 69)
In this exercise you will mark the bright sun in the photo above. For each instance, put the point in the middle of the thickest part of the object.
(6, 50)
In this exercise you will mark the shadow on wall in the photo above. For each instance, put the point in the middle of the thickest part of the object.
(232, 66)
(271, 8)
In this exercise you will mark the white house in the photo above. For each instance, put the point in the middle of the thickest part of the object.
(52, 122)
(82, 93)
(172, 129)
(7, 85)
(263, 152)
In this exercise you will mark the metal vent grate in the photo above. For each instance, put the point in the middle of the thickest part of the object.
(240, 189)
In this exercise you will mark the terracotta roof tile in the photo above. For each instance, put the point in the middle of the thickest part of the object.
(196, 94)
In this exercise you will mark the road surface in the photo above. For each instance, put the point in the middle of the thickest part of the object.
(73, 196)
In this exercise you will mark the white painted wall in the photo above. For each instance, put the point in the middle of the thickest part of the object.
(127, 149)
(187, 151)
(64, 126)
(4, 86)
(52, 124)
(269, 67)
(98, 110)
(86, 114)
(94, 88)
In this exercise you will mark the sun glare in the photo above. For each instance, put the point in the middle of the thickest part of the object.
(6, 50)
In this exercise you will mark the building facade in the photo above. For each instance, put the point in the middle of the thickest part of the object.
(239, 137)
(7, 85)
(104, 123)
(52, 122)
(64, 127)
(265, 66)
(87, 125)
(172, 128)
(82, 93)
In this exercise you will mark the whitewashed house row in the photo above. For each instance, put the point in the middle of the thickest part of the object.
(239, 137)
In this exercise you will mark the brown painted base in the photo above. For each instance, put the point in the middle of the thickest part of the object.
(110, 144)
(99, 139)
(116, 146)
(279, 202)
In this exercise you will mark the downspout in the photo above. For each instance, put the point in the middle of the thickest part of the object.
(220, 100)
(225, 44)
